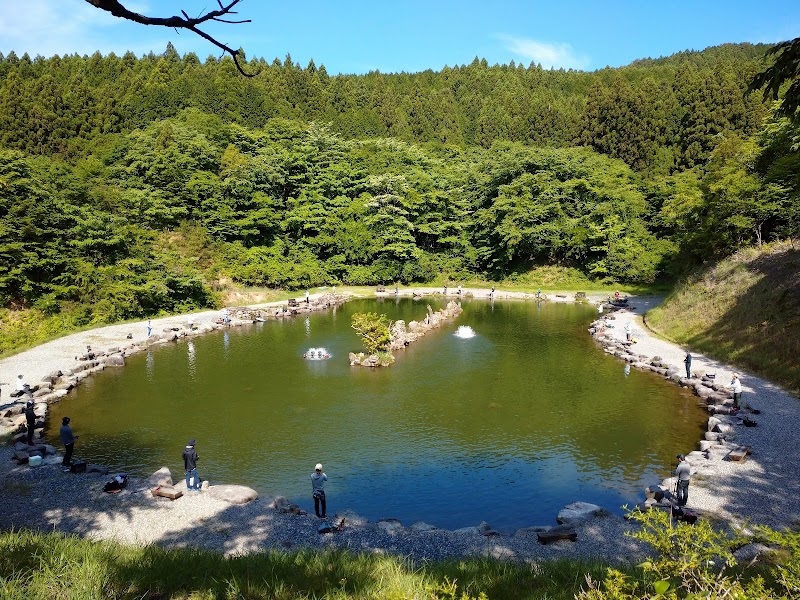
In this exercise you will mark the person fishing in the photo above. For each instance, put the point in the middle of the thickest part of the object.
(318, 479)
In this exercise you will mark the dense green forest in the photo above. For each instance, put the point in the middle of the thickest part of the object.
(131, 186)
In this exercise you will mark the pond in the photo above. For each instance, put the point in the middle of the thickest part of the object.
(507, 426)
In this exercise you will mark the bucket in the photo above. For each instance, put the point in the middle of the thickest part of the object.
(35, 461)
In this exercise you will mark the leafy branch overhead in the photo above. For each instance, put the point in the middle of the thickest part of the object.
(785, 69)
(181, 22)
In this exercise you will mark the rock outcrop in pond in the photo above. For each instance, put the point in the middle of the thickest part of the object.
(403, 335)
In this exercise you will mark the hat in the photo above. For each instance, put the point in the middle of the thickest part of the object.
(65, 420)
(680, 456)
(318, 467)
(29, 403)
(191, 442)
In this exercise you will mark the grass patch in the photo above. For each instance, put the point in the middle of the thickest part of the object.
(36, 565)
(745, 310)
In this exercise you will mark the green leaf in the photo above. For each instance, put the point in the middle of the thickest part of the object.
(661, 586)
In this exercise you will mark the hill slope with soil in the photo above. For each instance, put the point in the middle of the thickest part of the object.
(744, 310)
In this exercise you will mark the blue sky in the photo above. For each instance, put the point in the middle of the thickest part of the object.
(412, 35)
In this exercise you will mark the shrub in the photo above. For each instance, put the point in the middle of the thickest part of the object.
(374, 331)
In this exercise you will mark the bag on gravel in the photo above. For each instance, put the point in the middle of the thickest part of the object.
(117, 484)
(79, 466)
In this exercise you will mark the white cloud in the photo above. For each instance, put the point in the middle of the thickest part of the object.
(550, 55)
(48, 27)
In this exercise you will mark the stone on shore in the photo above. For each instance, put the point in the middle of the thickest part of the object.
(578, 512)
(162, 477)
(234, 494)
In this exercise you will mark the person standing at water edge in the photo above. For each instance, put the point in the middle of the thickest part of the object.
(149, 328)
(30, 421)
(68, 439)
(628, 331)
(688, 362)
(318, 479)
(683, 472)
(308, 298)
(190, 465)
(736, 388)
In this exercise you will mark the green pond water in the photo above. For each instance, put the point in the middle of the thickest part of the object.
(507, 426)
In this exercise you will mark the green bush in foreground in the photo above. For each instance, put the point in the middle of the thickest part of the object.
(697, 561)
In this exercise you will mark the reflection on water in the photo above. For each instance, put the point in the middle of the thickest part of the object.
(507, 427)
(190, 354)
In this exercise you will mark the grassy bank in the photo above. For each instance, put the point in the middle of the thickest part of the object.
(690, 561)
(34, 565)
(745, 311)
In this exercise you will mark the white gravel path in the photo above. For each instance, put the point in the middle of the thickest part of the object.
(764, 488)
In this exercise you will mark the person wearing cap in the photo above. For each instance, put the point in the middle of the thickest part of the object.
(683, 472)
(19, 387)
(68, 439)
(190, 465)
(736, 388)
(30, 421)
(318, 479)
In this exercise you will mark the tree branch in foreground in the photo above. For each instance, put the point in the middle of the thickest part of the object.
(786, 68)
(180, 22)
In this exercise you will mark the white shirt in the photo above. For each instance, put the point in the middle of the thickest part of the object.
(20, 384)
(736, 385)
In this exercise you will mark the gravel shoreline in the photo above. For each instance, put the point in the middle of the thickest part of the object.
(764, 488)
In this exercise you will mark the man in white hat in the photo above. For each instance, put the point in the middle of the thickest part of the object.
(318, 479)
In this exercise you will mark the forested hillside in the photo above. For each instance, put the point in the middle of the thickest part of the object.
(129, 186)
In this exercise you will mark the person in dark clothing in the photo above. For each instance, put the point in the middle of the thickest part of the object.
(30, 421)
(68, 439)
(190, 465)
(688, 362)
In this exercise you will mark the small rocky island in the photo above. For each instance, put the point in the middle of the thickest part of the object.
(402, 335)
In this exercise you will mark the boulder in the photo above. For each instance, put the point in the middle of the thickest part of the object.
(114, 360)
(468, 531)
(389, 525)
(578, 512)
(531, 531)
(421, 526)
(703, 391)
(100, 469)
(162, 477)
(234, 494)
(752, 552)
